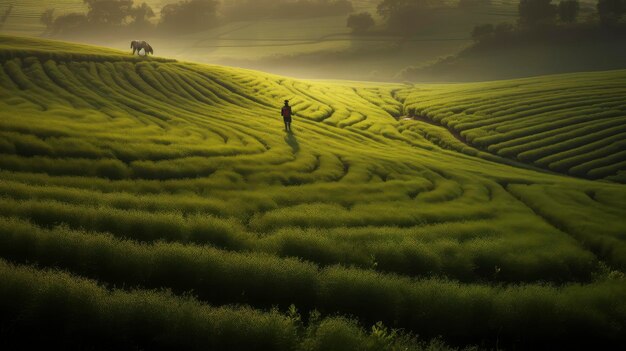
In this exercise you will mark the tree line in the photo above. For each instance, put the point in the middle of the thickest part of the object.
(403, 17)
(185, 16)
(537, 17)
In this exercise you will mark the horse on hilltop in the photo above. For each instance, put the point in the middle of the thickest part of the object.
(137, 45)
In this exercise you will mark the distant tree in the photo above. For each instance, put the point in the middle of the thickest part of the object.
(141, 15)
(69, 24)
(405, 16)
(533, 12)
(360, 22)
(568, 10)
(386, 7)
(108, 12)
(611, 10)
(189, 16)
(47, 18)
(102, 16)
(482, 31)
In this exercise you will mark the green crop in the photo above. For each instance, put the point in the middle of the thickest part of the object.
(152, 204)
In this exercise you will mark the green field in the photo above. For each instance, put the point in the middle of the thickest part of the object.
(574, 124)
(157, 204)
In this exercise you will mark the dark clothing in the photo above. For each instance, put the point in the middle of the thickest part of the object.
(286, 113)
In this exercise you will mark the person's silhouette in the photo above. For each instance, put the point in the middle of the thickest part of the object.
(286, 113)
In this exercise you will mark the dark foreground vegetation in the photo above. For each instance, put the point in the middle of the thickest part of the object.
(430, 306)
(74, 313)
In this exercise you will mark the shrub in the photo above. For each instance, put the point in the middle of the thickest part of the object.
(533, 12)
(568, 10)
(188, 16)
(360, 22)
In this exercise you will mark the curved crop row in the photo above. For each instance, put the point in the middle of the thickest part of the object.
(536, 120)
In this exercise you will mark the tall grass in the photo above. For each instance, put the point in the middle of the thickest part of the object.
(427, 307)
(581, 216)
(72, 312)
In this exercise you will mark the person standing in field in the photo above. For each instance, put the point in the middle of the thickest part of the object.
(286, 113)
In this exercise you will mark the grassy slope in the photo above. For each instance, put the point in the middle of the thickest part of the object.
(572, 123)
(147, 163)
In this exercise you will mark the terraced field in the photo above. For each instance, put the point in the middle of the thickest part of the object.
(154, 204)
(573, 124)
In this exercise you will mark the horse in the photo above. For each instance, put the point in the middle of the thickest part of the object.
(137, 45)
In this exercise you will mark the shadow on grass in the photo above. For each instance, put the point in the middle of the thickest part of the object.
(291, 140)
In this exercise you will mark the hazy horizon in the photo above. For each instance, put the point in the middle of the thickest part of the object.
(318, 47)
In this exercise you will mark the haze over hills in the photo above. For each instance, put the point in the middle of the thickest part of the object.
(486, 214)
(304, 46)
(417, 41)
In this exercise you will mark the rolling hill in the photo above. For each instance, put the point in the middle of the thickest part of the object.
(571, 123)
(156, 204)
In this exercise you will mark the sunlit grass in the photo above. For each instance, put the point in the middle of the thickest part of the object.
(571, 123)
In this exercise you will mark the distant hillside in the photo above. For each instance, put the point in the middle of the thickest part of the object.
(524, 59)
